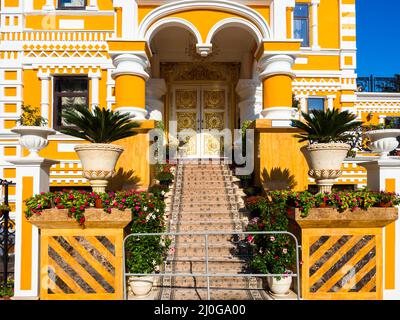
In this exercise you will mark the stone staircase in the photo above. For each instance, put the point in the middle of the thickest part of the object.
(206, 198)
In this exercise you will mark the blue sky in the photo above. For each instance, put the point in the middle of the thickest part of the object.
(378, 37)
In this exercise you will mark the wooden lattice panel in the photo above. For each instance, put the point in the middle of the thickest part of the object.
(81, 264)
(342, 263)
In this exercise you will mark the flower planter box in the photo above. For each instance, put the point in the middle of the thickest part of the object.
(342, 253)
(77, 263)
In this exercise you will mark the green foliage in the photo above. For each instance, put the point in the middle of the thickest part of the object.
(144, 254)
(327, 126)
(340, 200)
(31, 116)
(158, 190)
(8, 290)
(271, 253)
(98, 126)
(165, 173)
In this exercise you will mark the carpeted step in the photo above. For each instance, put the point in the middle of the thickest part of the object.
(215, 282)
(215, 294)
(204, 216)
(205, 207)
(226, 249)
(221, 266)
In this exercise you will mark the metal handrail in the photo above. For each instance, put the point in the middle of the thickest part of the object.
(208, 274)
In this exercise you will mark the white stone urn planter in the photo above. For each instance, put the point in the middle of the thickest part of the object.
(383, 141)
(281, 287)
(325, 162)
(98, 162)
(33, 138)
(141, 286)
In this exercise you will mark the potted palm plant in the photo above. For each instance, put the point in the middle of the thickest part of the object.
(33, 130)
(382, 138)
(328, 134)
(101, 127)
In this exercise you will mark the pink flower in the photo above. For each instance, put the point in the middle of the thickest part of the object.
(39, 206)
(109, 210)
(123, 200)
(284, 250)
(250, 238)
(71, 197)
(42, 193)
(272, 238)
(137, 208)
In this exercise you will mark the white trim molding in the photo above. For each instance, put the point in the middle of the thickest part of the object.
(223, 5)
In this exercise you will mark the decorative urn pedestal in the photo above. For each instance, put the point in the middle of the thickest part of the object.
(342, 253)
(33, 138)
(325, 162)
(383, 141)
(77, 263)
(98, 162)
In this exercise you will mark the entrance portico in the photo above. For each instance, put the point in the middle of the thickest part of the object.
(186, 65)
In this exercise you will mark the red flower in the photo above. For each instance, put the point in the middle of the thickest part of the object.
(109, 210)
(276, 257)
(81, 208)
(60, 206)
(82, 220)
(57, 200)
(250, 238)
(71, 197)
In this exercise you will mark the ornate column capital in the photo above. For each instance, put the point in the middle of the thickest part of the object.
(276, 64)
(130, 64)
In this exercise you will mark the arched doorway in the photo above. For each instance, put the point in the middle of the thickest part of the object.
(201, 103)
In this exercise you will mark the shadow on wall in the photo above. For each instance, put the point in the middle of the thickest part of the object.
(278, 179)
(124, 180)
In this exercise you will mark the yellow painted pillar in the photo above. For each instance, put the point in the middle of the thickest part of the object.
(131, 60)
(277, 76)
(384, 175)
(31, 177)
(130, 84)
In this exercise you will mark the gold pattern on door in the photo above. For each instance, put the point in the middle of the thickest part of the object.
(201, 109)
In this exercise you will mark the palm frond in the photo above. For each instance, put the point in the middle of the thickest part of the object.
(326, 126)
(99, 125)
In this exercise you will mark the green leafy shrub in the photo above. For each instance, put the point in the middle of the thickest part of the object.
(99, 125)
(328, 126)
(158, 190)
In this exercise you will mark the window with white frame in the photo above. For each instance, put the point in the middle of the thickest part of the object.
(301, 23)
(317, 103)
(69, 91)
(72, 4)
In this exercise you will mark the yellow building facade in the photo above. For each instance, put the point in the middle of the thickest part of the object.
(191, 64)
(198, 64)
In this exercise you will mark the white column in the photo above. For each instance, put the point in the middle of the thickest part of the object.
(315, 44)
(92, 6)
(37, 171)
(378, 173)
(250, 103)
(45, 94)
(155, 91)
(382, 119)
(330, 99)
(303, 102)
(95, 80)
(49, 6)
(129, 18)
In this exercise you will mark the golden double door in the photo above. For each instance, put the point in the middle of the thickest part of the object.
(200, 114)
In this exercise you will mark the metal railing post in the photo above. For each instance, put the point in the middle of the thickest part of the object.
(207, 272)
